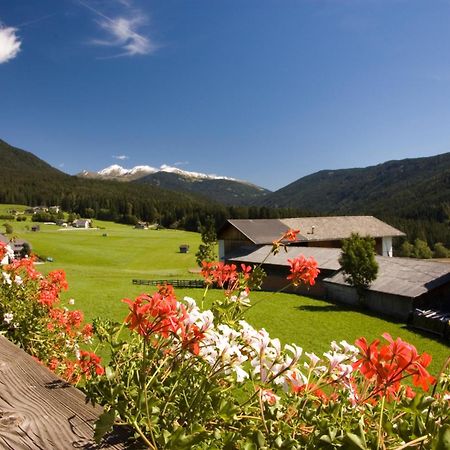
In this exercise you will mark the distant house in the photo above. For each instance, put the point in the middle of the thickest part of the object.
(36, 209)
(54, 209)
(402, 284)
(82, 223)
(327, 232)
(141, 226)
(18, 246)
(184, 248)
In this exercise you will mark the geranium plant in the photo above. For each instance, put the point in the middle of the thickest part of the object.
(183, 377)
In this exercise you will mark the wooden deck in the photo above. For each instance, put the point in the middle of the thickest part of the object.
(39, 411)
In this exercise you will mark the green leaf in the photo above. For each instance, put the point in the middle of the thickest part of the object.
(260, 439)
(104, 424)
(353, 441)
(443, 441)
(227, 410)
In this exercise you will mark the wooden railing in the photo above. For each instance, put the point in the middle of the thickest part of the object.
(39, 411)
(174, 283)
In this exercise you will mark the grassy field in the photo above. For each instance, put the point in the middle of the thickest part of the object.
(100, 268)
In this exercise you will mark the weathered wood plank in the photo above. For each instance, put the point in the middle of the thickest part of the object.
(39, 411)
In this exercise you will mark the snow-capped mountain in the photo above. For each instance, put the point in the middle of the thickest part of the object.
(116, 172)
(218, 188)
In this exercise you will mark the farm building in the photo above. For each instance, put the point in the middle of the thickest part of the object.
(81, 223)
(141, 226)
(327, 232)
(18, 246)
(402, 284)
(184, 248)
(276, 266)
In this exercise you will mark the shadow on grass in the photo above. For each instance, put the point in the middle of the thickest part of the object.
(325, 308)
(337, 308)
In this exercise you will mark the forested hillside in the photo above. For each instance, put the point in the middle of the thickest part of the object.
(224, 191)
(412, 194)
(28, 180)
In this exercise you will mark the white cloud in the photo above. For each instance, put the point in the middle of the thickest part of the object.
(123, 30)
(9, 44)
(123, 34)
(121, 157)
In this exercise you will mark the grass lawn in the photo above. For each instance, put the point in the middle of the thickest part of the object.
(100, 269)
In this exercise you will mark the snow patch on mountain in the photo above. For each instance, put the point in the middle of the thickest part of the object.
(118, 171)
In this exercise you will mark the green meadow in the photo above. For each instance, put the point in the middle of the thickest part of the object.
(100, 264)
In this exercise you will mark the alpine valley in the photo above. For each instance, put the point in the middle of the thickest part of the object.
(411, 194)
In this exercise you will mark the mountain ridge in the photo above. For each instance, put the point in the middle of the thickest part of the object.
(225, 190)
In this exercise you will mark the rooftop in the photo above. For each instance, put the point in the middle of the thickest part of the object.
(404, 276)
(265, 231)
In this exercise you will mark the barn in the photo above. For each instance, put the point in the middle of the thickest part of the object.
(401, 286)
(326, 232)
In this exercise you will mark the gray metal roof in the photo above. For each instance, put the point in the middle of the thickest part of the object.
(260, 231)
(265, 231)
(340, 227)
(327, 258)
(404, 276)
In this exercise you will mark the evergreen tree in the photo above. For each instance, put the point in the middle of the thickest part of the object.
(207, 249)
(358, 262)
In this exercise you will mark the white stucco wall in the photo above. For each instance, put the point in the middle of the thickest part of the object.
(387, 246)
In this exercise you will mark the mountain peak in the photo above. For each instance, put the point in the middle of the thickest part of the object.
(117, 171)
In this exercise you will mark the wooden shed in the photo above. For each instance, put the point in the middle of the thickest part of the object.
(402, 284)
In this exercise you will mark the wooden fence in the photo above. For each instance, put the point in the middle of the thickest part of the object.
(174, 283)
(39, 411)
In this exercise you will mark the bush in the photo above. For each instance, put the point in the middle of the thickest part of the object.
(421, 250)
(440, 251)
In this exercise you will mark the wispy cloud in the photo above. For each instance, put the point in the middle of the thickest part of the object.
(181, 163)
(123, 31)
(121, 157)
(9, 44)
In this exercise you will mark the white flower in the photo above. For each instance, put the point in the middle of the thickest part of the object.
(71, 301)
(242, 299)
(18, 280)
(7, 278)
(8, 317)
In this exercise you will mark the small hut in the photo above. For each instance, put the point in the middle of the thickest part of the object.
(184, 248)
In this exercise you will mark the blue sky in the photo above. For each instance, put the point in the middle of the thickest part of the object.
(265, 91)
